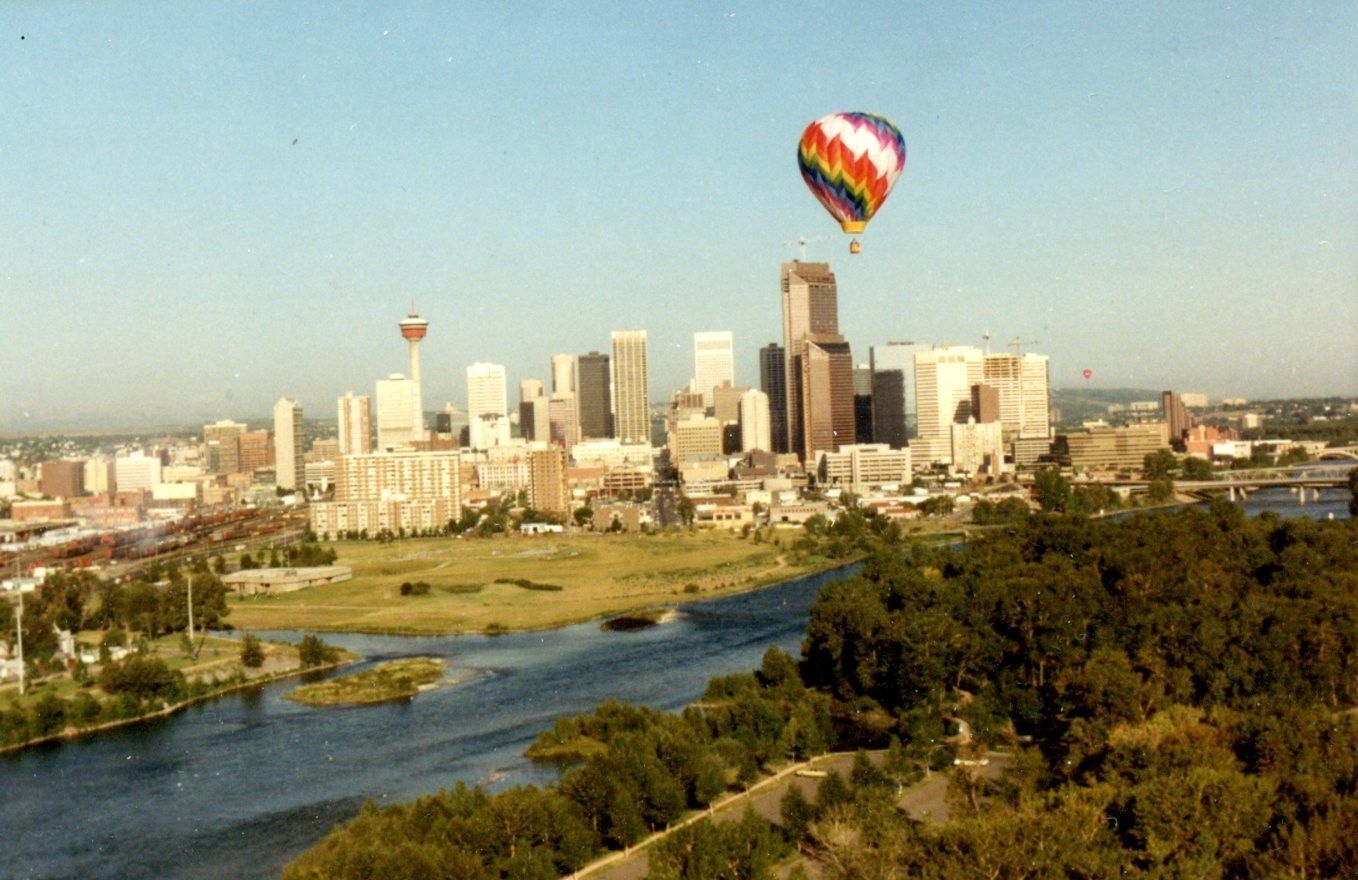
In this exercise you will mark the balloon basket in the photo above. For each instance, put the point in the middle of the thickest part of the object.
(855, 247)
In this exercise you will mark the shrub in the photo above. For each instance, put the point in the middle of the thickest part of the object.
(314, 652)
(141, 677)
(251, 652)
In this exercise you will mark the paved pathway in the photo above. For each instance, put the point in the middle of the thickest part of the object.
(925, 801)
(764, 797)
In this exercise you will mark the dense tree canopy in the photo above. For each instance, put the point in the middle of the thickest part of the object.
(1187, 683)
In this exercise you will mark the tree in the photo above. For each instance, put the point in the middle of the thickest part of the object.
(1051, 490)
(251, 652)
(1159, 465)
(1195, 468)
(937, 505)
(584, 515)
(141, 677)
(314, 652)
(797, 813)
(685, 509)
(1160, 491)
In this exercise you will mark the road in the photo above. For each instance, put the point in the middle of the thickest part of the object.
(925, 801)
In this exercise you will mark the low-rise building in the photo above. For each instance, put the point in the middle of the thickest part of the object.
(267, 581)
(863, 466)
(1107, 447)
(796, 512)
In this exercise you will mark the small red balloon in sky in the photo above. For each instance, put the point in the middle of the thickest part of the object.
(1088, 372)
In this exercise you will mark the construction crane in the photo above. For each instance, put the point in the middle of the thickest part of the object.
(986, 336)
(802, 241)
(1017, 344)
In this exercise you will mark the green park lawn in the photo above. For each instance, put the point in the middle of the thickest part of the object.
(598, 576)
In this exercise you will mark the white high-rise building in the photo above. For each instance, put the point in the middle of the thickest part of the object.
(136, 472)
(1023, 384)
(355, 424)
(99, 479)
(487, 405)
(400, 424)
(978, 448)
(714, 362)
(943, 380)
(563, 374)
(288, 444)
(631, 409)
(755, 427)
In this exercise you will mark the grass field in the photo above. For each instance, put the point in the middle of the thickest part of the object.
(599, 575)
(217, 660)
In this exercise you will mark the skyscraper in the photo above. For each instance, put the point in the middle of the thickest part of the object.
(773, 382)
(563, 374)
(256, 451)
(529, 391)
(985, 404)
(487, 406)
(826, 411)
(754, 421)
(893, 393)
(714, 362)
(1176, 416)
(811, 312)
(288, 444)
(943, 380)
(1022, 382)
(862, 404)
(595, 397)
(355, 424)
(223, 453)
(547, 488)
(400, 424)
(62, 478)
(631, 412)
(563, 426)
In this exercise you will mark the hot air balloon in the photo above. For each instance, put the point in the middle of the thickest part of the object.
(1087, 372)
(850, 161)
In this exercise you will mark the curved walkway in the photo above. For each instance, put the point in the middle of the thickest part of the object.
(764, 797)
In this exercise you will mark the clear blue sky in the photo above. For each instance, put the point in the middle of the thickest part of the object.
(207, 206)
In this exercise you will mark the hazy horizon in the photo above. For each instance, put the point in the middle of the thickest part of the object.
(212, 207)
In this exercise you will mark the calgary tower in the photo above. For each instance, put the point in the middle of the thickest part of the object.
(413, 329)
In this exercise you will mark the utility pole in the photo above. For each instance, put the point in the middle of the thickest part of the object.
(191, 651)
(20, 619)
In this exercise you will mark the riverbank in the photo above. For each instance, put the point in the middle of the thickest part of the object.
(72, 732)
(475, 586)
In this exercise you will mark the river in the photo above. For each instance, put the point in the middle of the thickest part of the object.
(237, 786)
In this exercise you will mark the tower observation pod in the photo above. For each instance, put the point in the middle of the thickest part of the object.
(413, 329)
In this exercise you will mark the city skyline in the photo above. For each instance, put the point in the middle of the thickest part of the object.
(1165, 199)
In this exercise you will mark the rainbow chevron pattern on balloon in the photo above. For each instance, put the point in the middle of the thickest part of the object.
(850, 161)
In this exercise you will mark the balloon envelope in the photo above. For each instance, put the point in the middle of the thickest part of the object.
(1088, 373)
(851, 161)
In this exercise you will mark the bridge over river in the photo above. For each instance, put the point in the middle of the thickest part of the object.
(1313, 476)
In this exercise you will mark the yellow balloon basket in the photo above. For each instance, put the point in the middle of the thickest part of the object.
(855, 247)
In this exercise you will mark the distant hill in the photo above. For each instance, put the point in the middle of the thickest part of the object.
(1080, 404)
